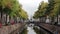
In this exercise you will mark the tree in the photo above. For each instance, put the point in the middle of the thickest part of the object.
(52, 9)
(23, 14)
(10, 7)
(41, 10)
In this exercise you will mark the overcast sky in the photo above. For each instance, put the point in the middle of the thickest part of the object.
(30, 6)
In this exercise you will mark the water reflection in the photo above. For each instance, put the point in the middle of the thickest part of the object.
(30, 30)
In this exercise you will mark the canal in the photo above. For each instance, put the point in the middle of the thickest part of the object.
(31, 29)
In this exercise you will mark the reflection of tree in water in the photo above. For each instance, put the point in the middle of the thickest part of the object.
(38, 31)
(24, 31)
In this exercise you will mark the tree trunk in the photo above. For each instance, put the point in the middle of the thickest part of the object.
(1, 17)
(1, 14)
(9, 19)
(6, 23)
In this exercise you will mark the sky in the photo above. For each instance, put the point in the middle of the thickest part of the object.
(30, 6)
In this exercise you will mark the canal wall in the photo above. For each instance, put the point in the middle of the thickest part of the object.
(12, 29)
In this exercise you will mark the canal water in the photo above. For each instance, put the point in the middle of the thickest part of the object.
(29, 29)
(32, 29)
